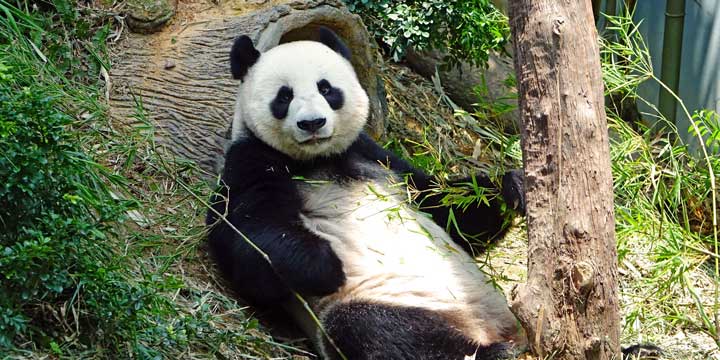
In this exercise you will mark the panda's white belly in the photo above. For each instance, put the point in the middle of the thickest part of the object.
(393, 254)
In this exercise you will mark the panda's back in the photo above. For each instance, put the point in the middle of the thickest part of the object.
(393, 254)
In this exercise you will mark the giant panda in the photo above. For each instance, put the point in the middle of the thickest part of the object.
(330, 218)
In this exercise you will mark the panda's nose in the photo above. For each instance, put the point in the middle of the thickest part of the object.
(311, 125)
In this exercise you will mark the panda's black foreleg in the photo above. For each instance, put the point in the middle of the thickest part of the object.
(372, 331)
(478, 223)
(300, 261)
(261, 201)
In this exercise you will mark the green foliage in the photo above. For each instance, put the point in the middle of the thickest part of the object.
(708, 124)
(665, 195)
(663, 212)
(74, 278)
(467, 30)
(52, 216)
(626, 61)
(55, 212)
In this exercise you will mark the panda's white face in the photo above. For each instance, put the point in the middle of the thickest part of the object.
(303, 99)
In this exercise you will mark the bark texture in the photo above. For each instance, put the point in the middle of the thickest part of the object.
(182, 77)
(569, 305)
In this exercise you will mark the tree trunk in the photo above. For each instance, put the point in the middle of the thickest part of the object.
(569, 305)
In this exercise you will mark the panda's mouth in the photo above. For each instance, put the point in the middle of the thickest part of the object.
(315, 140)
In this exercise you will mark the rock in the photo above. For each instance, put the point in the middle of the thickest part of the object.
(181, 77)
(459, 83)
(148, 16)
(169, 64)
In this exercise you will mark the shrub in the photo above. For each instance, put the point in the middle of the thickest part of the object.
(57, 219)
(76, 281)
(466, 30)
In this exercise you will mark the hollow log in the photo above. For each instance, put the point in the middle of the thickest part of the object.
(180, 76)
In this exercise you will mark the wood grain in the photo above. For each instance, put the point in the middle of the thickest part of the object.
(180, 81)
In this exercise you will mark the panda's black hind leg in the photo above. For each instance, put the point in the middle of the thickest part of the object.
(642, 352)
(368, 331)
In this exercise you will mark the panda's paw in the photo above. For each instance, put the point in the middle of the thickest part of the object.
(513, 190)
(642, 352)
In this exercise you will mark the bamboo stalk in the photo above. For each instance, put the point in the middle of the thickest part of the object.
(611, 7)
(671, 55)
(596, 9)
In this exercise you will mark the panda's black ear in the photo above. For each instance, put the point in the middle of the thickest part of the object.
(332, 41)
(242, 56)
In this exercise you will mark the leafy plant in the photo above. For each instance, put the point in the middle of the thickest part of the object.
(665, 194)
(707, 123)
(467, 30)
(50, 213)
(75, 278)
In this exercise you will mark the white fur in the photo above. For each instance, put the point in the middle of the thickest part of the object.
(393, 254)
(300, 65)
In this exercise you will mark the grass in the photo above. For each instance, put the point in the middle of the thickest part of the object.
(101, 238)
(666, 202)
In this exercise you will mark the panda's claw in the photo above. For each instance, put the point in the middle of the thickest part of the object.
(513, 190)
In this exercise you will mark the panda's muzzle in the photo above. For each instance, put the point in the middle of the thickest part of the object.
(311, 126)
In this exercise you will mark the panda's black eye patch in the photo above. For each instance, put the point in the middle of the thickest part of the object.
(332, 95)
(280, 104)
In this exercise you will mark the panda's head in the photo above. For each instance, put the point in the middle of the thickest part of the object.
(302, 98)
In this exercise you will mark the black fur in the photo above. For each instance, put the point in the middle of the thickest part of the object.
(513, 190)
(364, 331)
(334, 96)
(261, 200)
(280, 104)
(331, 40)
(243, 55)
(642, 352)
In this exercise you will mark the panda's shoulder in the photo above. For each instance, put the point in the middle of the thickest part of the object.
(360, 161)
(249, 157)
(364, 146)
(249, 148)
